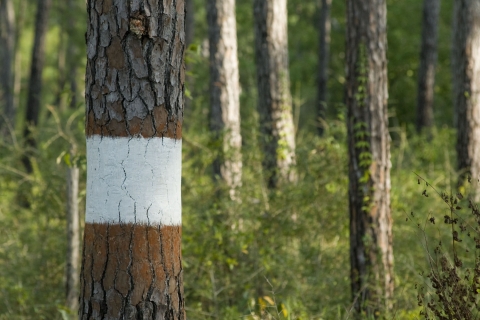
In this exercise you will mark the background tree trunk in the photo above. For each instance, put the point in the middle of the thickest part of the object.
(428, 61)
(35, 80)
(131, 265)
(7, 54)
(189, 22)
(73, 238)
(72, 55)
(225, 91)
(273, 83)
(466, 87)
(323, 57)
(17, 81)
(369, 157)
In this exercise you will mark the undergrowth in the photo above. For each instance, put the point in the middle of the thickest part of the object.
(451, 239)
(271, 255)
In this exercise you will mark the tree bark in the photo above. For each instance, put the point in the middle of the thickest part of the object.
(466, 88)
(428, 61)
(225, 91)
(274, 98)
(371, 252)
(131, 265)
(73, 238)
(35, 82)
(323, 57)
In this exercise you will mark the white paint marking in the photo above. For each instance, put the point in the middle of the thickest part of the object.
(134, 180)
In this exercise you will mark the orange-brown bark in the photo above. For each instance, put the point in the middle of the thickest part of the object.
(157, 124)
(132, 269)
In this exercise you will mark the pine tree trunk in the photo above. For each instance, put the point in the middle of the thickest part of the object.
(7, 53)
(274, 98)
(73, 239)
(466, 88)
(428, 61)
(18, 67)
(72, 59)
(189, 38)
(61, 67)
(131, 266)
(35, 80)
(225, 91)
(189, 22)
(369, 157)
(323, 57)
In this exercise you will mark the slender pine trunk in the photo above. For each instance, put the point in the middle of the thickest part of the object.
(189, 22)
(7, 57)
(225, 91)
(72, 55)
(428, 61)
(323, 57)
(371, 254)
(72, 270)
(35, 80)
(274, 97)
(466, 88)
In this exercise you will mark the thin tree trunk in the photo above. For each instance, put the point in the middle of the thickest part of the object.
(274, 98)
(17, 82)
(225, 91)
(371, 252)
(131, 265)
(189, 38)
(7, 54)
(73, 239)
(466, 88)
(72, 59)
(428, 61)
(323, 57)
(189, 22)
(35, 81)
(61, 67)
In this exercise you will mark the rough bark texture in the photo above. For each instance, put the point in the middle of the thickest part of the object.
(35, 80)
(132, 271)
(225, 91)
(466, 87)
(274, 98)
(428, 61)
(7, 53)
(73, 240)
(323, 57)
(369, 157)
(134, 88)
(135, 71)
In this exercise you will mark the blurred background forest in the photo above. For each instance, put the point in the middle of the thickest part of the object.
(284, 251)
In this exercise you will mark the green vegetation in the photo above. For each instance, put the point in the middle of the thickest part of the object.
(272, 255)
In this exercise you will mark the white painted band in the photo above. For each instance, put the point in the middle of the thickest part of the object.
(134, 180)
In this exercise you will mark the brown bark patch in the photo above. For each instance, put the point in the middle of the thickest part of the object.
(115, 54)
(132, 268)
(107, 5)
(157, 123)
